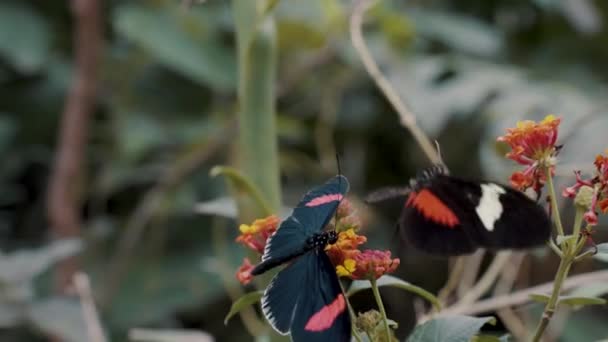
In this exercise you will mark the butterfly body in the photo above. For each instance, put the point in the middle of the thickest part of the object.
(305, 298)
(451, 216)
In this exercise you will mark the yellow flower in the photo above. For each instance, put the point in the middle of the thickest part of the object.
(347, 269)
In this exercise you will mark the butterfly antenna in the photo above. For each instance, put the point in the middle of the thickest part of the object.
(441, 162)
(339, 186)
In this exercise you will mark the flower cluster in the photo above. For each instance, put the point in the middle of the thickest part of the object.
(591, 193)
(368, 264)
(243, 274)
(346, 256)
(255, 236)
(534, 146)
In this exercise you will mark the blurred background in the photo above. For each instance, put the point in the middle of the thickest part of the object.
(113, 113)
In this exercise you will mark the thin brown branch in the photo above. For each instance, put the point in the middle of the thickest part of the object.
(471, 270)
(152, 201)
(406, 116)
(89, 311)
(453, 279)
(503, 286)
(63, 207)
(487, 280)
(523, 296)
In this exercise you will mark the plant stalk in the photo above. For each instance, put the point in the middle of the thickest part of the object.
(562, 273)
(554, 208)
(381, 307)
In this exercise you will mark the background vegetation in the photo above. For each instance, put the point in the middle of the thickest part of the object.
(154, 230)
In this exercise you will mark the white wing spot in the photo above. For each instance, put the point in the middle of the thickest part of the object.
(489, 208)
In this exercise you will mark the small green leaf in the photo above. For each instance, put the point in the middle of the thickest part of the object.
(602, 252)
(242, 184)
(387, 280)
(454, 328)
(541, 298)
(242, 302)
(576, 301)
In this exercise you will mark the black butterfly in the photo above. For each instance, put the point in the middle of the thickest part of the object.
(451, 216)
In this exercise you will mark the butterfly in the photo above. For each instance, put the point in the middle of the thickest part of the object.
(448, 215)
(305, 298)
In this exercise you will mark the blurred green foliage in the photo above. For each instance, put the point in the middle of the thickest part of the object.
(169, 79)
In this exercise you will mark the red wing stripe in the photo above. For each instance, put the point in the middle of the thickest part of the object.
(323, 200)
(325, 317)
(431, 207)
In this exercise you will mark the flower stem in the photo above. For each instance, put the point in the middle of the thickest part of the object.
(562, 273)
(568, 251)
(381, 307)
(554, 208)
(353, 317)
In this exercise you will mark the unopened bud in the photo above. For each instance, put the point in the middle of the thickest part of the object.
(584, 197)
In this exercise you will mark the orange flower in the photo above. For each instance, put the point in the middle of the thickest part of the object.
(243, 274)
(255, 235)
(346, 247)
(371, 264)
(533, 145)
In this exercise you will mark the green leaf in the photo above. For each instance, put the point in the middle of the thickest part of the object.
(541, 298)
(388, 280)
(454, 328)
(602, 252)
(180, 41)
(20, 267)
(576, 301)
(465, 33)
(242, 302)
(590, 290)
(24, 37)
(243, 185)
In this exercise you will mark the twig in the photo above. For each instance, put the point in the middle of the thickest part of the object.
(407, 118)
(453, 279)
(523, 296)
(91, 317)
(503, 286)
(150, 203)
(487, 280)
(471, 270)
(63, 207)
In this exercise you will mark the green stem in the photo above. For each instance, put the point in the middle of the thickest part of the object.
(578, 220)
(568, 251)
(562, 273)
(554, 247)
(351, 312)
(554, 209)
(381, 307)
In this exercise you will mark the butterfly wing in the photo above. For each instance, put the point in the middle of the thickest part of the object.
(452, 216)
(510, 219)
(321, 313)
(310, 216)
(283, 293)
(317, 207)
(434, 220)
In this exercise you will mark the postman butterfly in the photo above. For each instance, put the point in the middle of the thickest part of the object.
(447, 215)
(305, 298)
